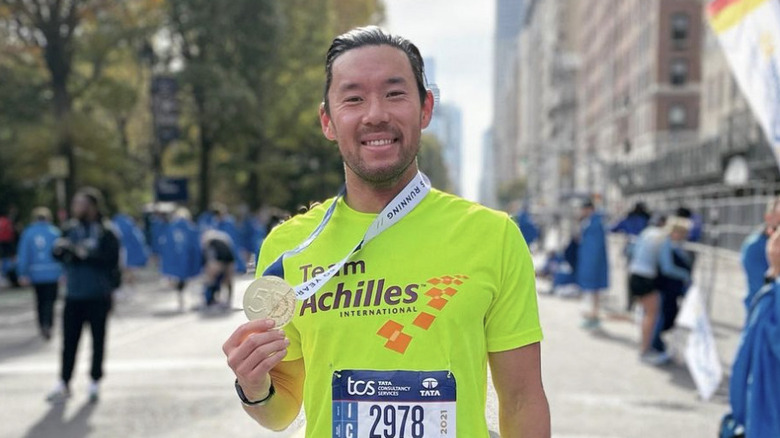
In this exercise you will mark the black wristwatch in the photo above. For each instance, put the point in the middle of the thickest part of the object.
(246, 401)
(769, 278)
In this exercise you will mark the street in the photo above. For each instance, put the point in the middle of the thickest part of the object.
(166, 375)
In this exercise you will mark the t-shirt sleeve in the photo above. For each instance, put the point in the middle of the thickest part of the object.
(269, 252)
(512, 320)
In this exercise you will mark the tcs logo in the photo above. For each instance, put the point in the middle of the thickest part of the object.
(360, 387)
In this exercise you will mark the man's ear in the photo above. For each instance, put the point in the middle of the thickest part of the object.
(427, 109)
(326, 124)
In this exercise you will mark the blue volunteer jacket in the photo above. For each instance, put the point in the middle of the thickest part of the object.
(592, 269)
(35, 260)
(753, 257)
(180, 250)
(136, 253)
(754, 389)
(90, 254)
(527, 227)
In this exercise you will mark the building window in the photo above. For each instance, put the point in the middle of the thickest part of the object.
(681, 24)
(678, 72)
(678, 116)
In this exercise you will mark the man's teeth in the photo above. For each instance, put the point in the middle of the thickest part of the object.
(379, 142)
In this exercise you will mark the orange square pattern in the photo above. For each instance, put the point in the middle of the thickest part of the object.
(400, 343)
(424, 320)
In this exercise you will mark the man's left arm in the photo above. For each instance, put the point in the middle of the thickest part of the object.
(517, 377)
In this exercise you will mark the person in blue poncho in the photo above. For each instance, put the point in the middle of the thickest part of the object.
(592, 267)
(528, 228)
(37, 267)
(180, 251)
(135, 252)
(753, 254)
(754, 388)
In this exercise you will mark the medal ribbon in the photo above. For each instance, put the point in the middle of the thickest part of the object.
(403, 203)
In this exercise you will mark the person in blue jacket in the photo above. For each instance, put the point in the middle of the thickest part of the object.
(180, 251)
(632, 225)
(135, 252)
(753, 254)
(36, 266)
(89, 251)
(528, 228)
(592, 268)
(754, 388)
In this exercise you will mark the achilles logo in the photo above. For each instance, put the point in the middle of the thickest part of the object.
(360, 387)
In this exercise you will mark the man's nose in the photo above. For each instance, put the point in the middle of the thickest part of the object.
(376, 112)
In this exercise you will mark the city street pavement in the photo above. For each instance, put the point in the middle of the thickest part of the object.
(166, 375)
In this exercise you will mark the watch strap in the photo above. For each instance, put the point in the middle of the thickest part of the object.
(246, 401)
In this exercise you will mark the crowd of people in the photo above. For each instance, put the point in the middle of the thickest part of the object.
(659, 266)
(93, 257)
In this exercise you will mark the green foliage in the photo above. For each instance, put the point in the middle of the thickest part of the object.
(431, 162)
(250, 76)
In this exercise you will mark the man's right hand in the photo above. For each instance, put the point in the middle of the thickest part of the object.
(252, 351)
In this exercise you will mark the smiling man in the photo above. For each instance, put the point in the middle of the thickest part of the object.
(398, 341)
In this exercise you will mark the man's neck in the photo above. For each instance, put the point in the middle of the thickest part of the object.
(366, 197)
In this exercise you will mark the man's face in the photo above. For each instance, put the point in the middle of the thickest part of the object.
(80, 207)
(375, 113)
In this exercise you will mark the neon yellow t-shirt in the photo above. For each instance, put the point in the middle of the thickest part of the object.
(449, 283)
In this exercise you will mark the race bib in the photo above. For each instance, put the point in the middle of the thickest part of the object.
(393, 404)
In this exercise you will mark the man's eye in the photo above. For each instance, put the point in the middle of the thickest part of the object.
(352, 99)
(395, 93)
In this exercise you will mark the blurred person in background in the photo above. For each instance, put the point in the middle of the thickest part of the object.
(753, 254)
(592, 265)
(643, 284)
(36, 266)
(632, 225)
(675, 265)
(180, 252)
(8, 247)
(754, 387)
(525, 222)
(218, 218)
(134, 251)
(219, 259)
(89, 251)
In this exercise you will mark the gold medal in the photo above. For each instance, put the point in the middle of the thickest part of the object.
(270, 297)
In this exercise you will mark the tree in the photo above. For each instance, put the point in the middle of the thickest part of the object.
(431, 162)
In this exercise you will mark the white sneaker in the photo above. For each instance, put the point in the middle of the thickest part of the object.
(59, 394)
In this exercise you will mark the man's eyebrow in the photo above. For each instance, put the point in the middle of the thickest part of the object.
(350, 86)
(396, 80)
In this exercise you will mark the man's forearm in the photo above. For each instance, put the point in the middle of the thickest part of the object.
(528, 419)
(280, 411)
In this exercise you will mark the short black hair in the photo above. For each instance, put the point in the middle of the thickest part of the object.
(94, 197)
(373, 36)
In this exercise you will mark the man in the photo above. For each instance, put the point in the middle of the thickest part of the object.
(421, 309)
(219, 263)
(755, 376)
(37, 266)
(180, 258)
(592, 267)
(89, 249)
(753, 254)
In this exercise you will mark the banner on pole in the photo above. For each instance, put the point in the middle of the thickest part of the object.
(749, 33)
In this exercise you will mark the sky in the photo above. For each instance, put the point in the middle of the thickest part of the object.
(458, 35)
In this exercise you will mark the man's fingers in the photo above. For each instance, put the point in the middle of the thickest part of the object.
(254, 341)
(259, 360)
(245, 330)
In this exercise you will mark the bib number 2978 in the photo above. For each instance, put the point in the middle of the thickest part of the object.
(402, 421)
(393, 404)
